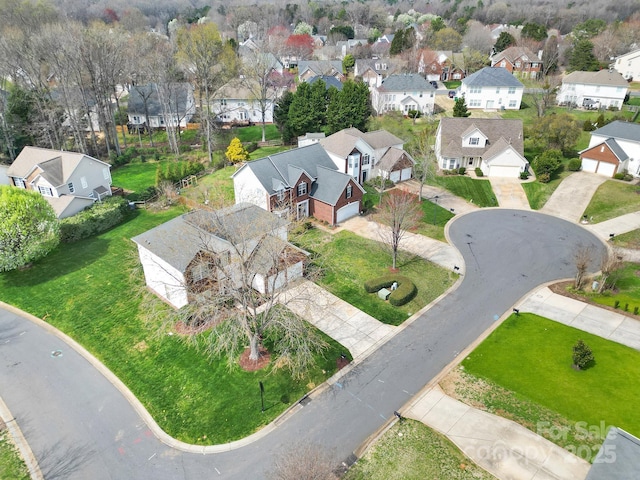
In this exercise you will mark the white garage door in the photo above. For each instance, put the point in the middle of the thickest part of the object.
(504, 171)
(606, 169)
(347, 212)
(395, 176)
(405, 174)
(589, 165)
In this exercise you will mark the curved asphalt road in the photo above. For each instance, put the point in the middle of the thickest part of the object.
(79, 426)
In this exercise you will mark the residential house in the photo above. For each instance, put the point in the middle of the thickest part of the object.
(328, 80)
(602, 89)
(310, 138)
(403, 93)
(308, 69)
(628, 65)
(614, 148)
(373, 71)
(69, 181)
(492, 88)
(345, 47)
(453, 65)
(494, 145)
(159, 106)
(201, 253)
(431, 64)
(520, 61)
(237, 105)
(302, 182)
(368, 155)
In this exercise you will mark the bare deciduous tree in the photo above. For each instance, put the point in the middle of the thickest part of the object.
(582, 257)
(399, 211)
(304, 461)
(422, 151)
(610, 263)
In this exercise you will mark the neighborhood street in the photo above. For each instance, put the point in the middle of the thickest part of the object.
(80, 426)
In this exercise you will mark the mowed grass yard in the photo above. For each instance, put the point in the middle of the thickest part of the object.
(479, 192)
(92, 290)
(532, 356)
(345, 261)
(613, 199)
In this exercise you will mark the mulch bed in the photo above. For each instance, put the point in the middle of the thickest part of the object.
(249, 365)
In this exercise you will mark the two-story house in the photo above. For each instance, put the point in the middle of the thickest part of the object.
(158, 106)
(373, 71)
(201, 253)
(614, 148)
(492, 88)
(628, 65)
(602, 89)
(403, 93)
(520, 61)
(494, 145)
(308, 69)
(69, 181)
(301, 182)
(368, 155)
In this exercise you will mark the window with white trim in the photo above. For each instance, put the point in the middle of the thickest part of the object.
(365, 159)
(281, 194)
(512, 103)
(46, 191)
(302, 188)
(83, 181)
(19, 182)
(475, 89)
(72, 189)
(474, 141)
(349, 191)
(474, 102)
(512, 90)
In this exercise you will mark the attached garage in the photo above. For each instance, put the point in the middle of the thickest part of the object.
(589, 165)
(348, 211)
(503, 161)
(605, 159)
(504, 171)
(405, 174)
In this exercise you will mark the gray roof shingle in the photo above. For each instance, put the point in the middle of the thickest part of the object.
(602, 77)
(452, 129)
(407, 82)
(620, 130)
(138, 94)
(492, 77)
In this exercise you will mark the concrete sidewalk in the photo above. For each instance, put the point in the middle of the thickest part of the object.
(502, 447)
(509, 193)
(617, 226)
(340, 320)
(599, 321)
(573, 195)
(435, 251)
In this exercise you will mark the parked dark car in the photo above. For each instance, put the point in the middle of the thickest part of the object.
(434, 84)
(452, 93)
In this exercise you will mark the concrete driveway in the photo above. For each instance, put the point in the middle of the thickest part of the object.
(572, 196)
(509, 193)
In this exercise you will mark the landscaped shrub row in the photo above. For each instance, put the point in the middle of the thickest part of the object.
(99, 217)
(479, 172)
(405, 292)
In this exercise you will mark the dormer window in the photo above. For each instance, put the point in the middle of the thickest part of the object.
(474, 141)
(280, 194)
(302, 188)
(46, 191)
(349, 191)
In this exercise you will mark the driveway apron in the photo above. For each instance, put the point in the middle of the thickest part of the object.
(571, 198)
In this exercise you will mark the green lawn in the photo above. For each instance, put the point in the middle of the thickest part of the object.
(613, 199)
(91, 290)
(266, 151)
(434, 219)
(627, 291)
(347, 261)
(136, 177)
(628, 240)
(479, 192)
(254, 133)
(412, 451)
(11, 464)
(531, 356)
(217, 187)
(538, 193)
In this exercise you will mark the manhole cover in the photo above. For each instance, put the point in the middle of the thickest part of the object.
(56, 353)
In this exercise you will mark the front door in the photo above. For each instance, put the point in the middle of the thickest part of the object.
(303, 209)
(364, 176)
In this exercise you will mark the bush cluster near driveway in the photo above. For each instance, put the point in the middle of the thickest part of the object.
(411, 450)
(478, 192)
(91, 291)
(612, 199)
(532, 356)
(347, 261)
(627, 290)
(100, 217)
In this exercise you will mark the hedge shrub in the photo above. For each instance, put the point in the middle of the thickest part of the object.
(479, 172)
(96, 219)
(575, 164)
(405, 292)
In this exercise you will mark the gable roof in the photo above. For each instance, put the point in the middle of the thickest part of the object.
(407, 82)
(330, 185)
(514, 53)
(179, 96)
(492, 77)
(391, 157)
(602, 77)
(343, 142)
(320, 67)
(381, 139)
(180, 239)
(55, 166)
(620, 130)
(329, 81)
(274, 170)
(453, 129)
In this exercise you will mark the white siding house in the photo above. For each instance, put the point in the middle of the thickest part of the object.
(628, 65)
(492, 88)
(403, 93)
(614, 148)
(601, 89)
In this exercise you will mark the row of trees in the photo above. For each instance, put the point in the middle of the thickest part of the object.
(314, 108)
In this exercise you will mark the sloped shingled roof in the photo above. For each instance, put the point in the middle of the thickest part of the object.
(492, 77)
(452, 130)
(408, 82)
(603, 77)
(620, 130)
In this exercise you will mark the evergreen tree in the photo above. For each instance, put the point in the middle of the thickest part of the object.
(581, 56)
(397, 44)
(534, 31)
(349, 107)
(281, 116)
(460, 108)
(504, 41)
